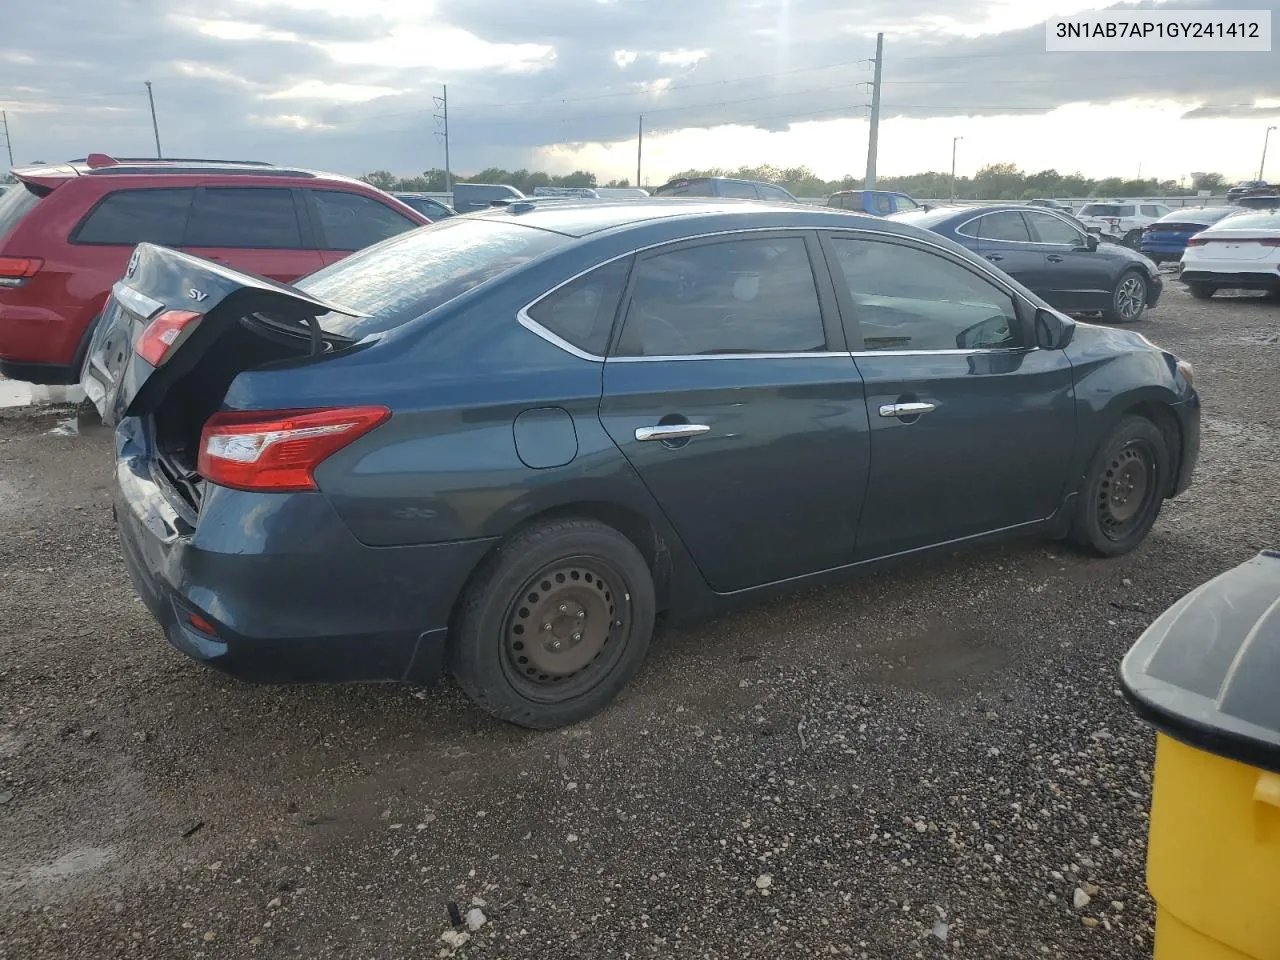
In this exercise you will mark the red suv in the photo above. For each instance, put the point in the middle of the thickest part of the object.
(67, 231)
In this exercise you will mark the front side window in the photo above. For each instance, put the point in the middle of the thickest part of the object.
(884, 204)
(1006, 225)
(130, 217)
(581, 312)
(1049, 229)
(350, 221)
(906, 203)
(1150, 210)
(769, 192)
(261, 218)
(909, 299)
(737, 296)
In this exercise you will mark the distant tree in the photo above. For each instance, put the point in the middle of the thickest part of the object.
(1214, 182)
(382, 179)
(624, 182)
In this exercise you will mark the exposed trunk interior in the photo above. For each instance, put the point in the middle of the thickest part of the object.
(190, 401)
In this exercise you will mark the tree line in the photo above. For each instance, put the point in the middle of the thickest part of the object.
(996, 181)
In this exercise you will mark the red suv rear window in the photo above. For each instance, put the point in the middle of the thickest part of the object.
(15, 203)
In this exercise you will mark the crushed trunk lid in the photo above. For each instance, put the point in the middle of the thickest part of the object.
(186, 303)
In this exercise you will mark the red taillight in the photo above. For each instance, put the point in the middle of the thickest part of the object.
(1269, 241)
(201, 624)
(19, 268)
(1197, 242)
(157, 340)
(278, 450)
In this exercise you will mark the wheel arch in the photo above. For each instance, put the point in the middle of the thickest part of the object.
(1167, 423)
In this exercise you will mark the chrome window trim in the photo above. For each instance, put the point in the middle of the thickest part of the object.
(526, 321)
(960, 229)
(1048, 211)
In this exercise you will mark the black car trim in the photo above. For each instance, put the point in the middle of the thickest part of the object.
(537, 329)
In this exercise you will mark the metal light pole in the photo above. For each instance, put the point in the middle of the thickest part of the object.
(873, 138)
(1263, 164)
(155, 127)
(954, 141)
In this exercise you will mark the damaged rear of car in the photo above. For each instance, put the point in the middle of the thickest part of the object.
(227, 394)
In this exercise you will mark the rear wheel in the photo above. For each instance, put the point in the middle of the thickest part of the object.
(555, 625)
(1128, 299)
(1124, 489)
(1201, 290)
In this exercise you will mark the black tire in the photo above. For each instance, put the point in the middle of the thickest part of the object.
(585, 587)
(1201, 290)
(1132, 463)
(1128, 298)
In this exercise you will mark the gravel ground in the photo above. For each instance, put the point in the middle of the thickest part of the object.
(931, 761)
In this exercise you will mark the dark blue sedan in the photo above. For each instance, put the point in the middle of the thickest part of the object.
(1166, 239)
(502, 445)
(1050, 253)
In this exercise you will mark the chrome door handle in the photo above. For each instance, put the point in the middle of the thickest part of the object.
(1054, 258)
(672, 431)
(906, 409)
(994, 257)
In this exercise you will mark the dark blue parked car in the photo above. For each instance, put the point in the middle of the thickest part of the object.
(881, 203)
(1165, 239)
(1049, 253)
(501, 445)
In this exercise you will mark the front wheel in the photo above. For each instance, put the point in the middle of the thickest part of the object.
(1201, 290)
(1124, 489)
(555, 624)
(1128, 299)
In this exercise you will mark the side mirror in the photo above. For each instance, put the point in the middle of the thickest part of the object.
(1090, 242)
(1053, 332)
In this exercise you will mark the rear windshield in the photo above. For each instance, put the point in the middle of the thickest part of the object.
(1107, 210)
(1198, 215)
(16, 203)
(406, 276)
(928, 219)
(1262, 220)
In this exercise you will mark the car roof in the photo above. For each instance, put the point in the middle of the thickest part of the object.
(578, 218)
(101, 165)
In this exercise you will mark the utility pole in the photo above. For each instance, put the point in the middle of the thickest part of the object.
(1261, 166)
(442, 102)
(873, 141)
(155, 127)
(4, 125)
(639, 147)
(954, 141)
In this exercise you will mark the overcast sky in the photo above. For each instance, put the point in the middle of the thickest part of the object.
(560, 84)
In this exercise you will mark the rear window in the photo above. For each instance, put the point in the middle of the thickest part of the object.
(1107, 210)
(1263, 220)
(129, 217)
(16, 203)
(405, 277)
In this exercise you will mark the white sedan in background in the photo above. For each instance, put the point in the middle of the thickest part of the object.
(1241, 252)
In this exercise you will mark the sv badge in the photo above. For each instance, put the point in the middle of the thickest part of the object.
(197, 295)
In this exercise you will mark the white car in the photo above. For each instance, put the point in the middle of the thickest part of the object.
(1241, 252)
(1121, 221)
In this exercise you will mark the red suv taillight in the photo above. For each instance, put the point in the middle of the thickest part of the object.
(277, 451)
(156, 342)
(15, 271)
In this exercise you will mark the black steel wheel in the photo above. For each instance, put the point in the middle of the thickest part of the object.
(554, 624)
(1124, 489)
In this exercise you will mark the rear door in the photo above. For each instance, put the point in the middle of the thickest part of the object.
(730, 392)
(1073, 277)
(166, 311)
(1003, 238)
(971, 428)
(345, 222)
(254, 229)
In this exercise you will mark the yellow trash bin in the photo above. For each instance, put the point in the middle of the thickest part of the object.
(1206, 674)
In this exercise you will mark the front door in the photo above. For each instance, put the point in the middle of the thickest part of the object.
(1073, 276)
(1003, 238)
(253, 229)
(730, 392)
(971, 429)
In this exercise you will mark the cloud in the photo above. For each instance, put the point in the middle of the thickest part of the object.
(350, 87)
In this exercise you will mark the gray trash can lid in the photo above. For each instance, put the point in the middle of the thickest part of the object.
(1207, 672)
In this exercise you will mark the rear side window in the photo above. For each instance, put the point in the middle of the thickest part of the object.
(16, 203)
(739, 296)
(350, 221)
(581, 312)
(407, 276)
(685, 188)
(259, 218)
(738, 188)
(129, 217)
(1105, 210)
(884, 204)
(1151, 210)
(1006, 225)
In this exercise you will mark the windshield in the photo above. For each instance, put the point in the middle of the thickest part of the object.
(16, 203)
(406, 276)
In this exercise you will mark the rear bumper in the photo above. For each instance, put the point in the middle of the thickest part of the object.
(291, 595)
(1236, 279)
(1188, 414)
